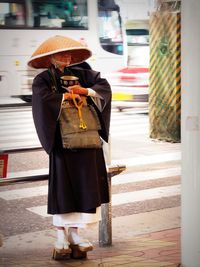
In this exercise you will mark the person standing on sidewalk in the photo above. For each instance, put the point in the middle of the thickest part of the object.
(77, 178)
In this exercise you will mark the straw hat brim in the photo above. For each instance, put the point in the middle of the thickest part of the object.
(41, 58)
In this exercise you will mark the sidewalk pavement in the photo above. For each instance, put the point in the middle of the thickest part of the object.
(150, 239)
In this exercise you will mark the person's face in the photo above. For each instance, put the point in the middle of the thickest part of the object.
(61, 60)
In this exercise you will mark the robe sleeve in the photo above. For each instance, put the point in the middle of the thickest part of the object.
(45, 109)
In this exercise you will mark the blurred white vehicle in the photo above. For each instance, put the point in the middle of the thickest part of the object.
(130, 87)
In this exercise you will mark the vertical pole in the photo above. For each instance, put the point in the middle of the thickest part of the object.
(105, 225)
(190, 130)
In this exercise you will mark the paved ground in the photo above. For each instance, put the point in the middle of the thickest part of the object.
(153, 249)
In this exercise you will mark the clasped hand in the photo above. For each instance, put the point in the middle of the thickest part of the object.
(77, 91)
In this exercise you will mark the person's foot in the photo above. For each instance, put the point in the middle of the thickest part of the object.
(81, 244)
(62, 245)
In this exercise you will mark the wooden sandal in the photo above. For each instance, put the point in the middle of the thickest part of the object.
(61, 253)
(79, 251)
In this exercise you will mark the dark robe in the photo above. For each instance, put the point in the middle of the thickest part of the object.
(77, 178)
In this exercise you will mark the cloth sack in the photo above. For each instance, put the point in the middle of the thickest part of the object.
(78, 121)
(79, 125)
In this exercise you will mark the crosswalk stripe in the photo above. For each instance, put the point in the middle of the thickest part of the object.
(129, 127)
(129, 133)
(24, 193)
(28, 173)
(128, 124)
(143, 160)
(40, 210)
(124, 128)
(126, 120)
(145, 176)
(17, 108)
(17, 123)
(14, 115)
(125, 198)
(30, 143)
(30, 136)
(11, 127)
(142, 195)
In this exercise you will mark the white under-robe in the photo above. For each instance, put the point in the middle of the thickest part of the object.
(77, 219)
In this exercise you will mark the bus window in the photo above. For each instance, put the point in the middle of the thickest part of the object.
(12, 14)
(110, 30)
(53, 14)
(137, 36)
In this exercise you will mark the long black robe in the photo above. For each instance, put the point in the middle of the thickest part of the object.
(77, 178)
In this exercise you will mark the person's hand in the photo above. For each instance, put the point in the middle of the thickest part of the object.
(77, 89)
(68, 96)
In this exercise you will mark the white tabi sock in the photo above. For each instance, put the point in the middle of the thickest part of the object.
(61, 240)
(73, 236)
(75, 239)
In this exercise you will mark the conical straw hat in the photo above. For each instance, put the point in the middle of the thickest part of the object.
(41, 57)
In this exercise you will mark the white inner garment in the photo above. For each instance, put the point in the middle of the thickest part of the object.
(77, 219)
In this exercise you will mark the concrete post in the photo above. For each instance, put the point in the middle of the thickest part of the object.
(190, 228)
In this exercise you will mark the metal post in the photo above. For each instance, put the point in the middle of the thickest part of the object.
(105, 226)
